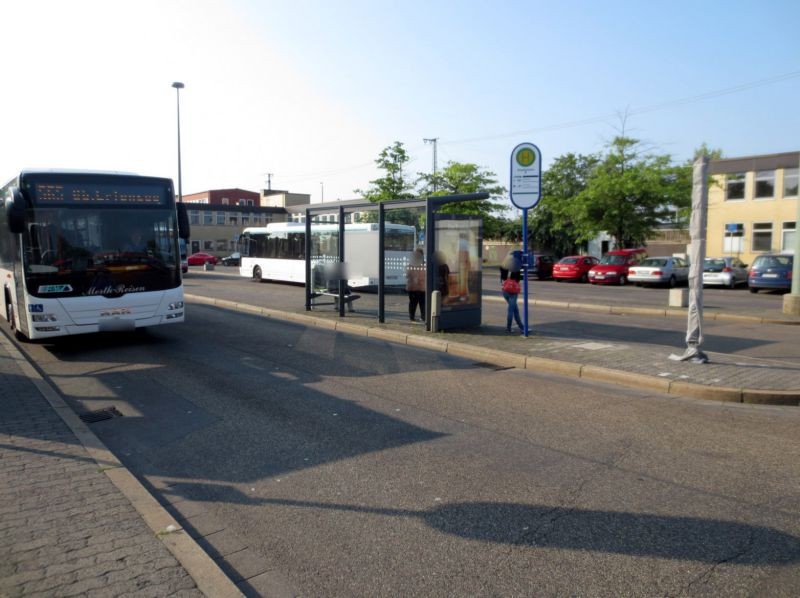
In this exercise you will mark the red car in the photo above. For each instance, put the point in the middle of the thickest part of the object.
(613, 267)
(574, 267)
(198, 259)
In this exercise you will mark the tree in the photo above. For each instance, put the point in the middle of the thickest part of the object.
(459, 178)
(552, 224)
(393, 185)
(629, 193)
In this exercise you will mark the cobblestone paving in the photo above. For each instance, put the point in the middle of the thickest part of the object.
(65, 529)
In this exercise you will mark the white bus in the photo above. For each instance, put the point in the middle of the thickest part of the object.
(277, 251)
(90, 252)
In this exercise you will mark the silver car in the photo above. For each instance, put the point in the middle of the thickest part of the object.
(665, 269)
(724, 271)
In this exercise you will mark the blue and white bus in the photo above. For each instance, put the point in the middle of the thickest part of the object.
(90, 252)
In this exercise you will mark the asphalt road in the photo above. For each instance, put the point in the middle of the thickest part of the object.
(347, 466)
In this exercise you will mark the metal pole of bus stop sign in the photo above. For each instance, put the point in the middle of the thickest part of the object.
(526, 189)
(525, 266)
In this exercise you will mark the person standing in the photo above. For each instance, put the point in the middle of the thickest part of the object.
(510, 277)
(415, 285)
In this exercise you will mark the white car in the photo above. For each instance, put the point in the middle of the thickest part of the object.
(724, 271)
(667, 270)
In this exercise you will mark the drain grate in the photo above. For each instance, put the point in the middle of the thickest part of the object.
(91, 417)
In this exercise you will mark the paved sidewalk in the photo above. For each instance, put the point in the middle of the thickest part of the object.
(68, 524)
(727, 377)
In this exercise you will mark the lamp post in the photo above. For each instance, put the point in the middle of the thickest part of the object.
(791, 301)
(178, 86)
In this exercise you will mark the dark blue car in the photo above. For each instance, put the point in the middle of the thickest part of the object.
(771, 272)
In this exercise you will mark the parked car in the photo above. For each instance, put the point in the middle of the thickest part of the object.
(773, 271)
(724, 271)
(198, 259)
(233, 259)
(542, 267)
(574, 267)
(663, 269)
(613, 266)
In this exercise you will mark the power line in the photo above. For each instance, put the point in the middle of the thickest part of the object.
(574, 123)
(642, 110)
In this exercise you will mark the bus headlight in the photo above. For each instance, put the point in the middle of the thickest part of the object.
(175, 305)
(44, 318)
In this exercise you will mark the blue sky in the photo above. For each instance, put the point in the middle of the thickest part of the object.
(311, 91)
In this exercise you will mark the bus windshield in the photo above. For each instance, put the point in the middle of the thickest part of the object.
(74, 251)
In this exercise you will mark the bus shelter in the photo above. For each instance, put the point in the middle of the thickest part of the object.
(375, 254)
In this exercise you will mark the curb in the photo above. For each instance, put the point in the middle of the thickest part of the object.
(205, 572)
(541, 364)
(653, 311)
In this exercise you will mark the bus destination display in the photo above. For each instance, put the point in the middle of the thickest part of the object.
(61, 193)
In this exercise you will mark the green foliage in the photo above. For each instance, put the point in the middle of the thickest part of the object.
(704, 150)
(552, 224)
(459, 178)
(394, 184)
(629, 193)
(455, 179)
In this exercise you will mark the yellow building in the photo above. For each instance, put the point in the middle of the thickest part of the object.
(752, 205)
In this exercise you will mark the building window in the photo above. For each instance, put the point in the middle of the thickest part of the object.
(765, 184)
(194, 217)
(233, 219)
(222, 245)
(788, 236)
(790, 182)
(245, 220)
(208, 245)
(225, 201)
(250, 202)
(762, 236)
(734, 235)
(220, 218)
(734, 186)
(207, 218)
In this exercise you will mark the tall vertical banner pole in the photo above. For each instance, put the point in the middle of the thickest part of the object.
(525, 191)
(525, 266)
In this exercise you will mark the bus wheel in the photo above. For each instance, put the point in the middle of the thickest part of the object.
(257, 274)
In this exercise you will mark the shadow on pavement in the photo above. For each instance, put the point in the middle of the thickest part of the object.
(635, 534)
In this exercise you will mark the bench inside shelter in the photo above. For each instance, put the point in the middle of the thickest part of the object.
(325, 291)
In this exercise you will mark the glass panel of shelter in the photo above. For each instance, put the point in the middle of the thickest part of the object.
(324, 255)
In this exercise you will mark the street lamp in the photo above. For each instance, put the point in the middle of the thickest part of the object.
(178, 86)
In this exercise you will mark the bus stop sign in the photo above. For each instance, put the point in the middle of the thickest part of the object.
(526, 176)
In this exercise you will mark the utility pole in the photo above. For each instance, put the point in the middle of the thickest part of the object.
(433, 141)
(322, 192)
(269, 181)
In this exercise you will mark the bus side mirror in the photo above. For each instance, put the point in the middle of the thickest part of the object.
(16, 207)
(183, 222)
